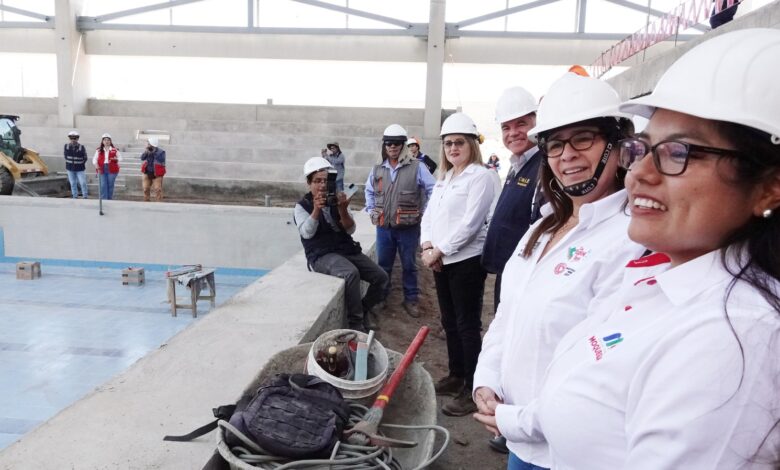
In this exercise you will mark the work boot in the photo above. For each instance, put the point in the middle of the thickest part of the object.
(498, 444)
(371, 320)
(461, 405)
(449, 385)
(411, 309)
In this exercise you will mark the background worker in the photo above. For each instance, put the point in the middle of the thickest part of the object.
(106, 161)
(453, 232)
(396, 191)
(76, 165)
(153, 169)
(337, 159)
(326, 234)
(413, 144)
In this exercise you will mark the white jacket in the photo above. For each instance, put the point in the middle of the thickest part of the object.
(541, 300)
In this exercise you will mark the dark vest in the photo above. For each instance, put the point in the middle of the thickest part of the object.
(398, 201)
(326, 240)
(513, 215)
(75, 157)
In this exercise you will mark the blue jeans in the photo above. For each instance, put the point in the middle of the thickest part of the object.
(516, 464)
(107, 183)
(404, 241)
(77, 179)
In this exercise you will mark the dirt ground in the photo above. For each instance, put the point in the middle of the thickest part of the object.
(468, 448)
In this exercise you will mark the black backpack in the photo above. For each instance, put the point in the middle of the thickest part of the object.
(296, 416)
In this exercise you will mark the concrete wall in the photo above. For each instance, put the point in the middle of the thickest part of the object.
(642, 78)
(153, 233)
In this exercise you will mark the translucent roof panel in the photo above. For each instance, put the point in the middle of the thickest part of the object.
(601, 15)
(554, 17)
(44, 7)
(414, 11)
(463, 10)
(217, 13)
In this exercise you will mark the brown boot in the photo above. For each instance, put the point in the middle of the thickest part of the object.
(461, 405)
(449, 385)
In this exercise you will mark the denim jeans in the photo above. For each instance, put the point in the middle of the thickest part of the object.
(404, 241)
(77, 179)
(516, 464)
(107, 183)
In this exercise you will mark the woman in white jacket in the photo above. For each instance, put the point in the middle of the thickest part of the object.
(571, 257)
(681, 370)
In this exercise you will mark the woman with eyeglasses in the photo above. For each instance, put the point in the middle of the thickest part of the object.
(454, 227)
(572, 257)
(682, 371)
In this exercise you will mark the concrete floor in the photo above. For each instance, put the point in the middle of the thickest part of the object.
(74, 328)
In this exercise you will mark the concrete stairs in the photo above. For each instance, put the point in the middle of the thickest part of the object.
(226, 149)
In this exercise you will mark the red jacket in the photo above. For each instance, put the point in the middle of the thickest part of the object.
(113, 162)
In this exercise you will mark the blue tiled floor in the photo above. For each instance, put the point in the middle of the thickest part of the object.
(74, 328)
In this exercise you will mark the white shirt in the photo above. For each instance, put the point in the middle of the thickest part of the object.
(658, 383)
(542, 298)
(97, 154)
(458, 212)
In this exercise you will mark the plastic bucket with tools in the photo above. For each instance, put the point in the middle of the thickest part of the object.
(378, 365)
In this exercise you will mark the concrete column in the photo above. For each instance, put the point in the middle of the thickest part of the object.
(435, 70)
(72, 64)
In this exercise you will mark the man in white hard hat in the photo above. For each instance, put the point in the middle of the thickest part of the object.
(520, 199)
(153, 170)
(413, 144)
(326, 229)
(75, 164)
(396, 191)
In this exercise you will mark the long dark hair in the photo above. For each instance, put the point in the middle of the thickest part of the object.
(561, 203)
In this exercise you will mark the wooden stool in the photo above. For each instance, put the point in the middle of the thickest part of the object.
(196, 281)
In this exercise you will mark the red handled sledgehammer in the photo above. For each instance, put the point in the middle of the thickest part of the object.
(365, 431)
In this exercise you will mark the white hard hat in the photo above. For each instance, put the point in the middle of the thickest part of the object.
(73, 133)
(513, 103)
(153, 140)
(105, 135)
(394, 133)
(459, 123)
(731, 77)
(316, 164)
(574, 98)
(412, 141)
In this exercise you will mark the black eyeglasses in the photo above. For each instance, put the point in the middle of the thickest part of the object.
(670, 157)
(393, 144)
(73, 137)
(458, 143)
(580, 141)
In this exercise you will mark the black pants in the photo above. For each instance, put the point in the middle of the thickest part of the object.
(460, 287)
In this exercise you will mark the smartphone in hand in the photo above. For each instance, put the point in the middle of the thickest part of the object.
(350, 190)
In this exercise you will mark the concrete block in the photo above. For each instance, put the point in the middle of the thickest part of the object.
(133, 276)
(28, 270)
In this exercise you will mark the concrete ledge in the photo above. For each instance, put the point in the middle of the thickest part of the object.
(172, 390)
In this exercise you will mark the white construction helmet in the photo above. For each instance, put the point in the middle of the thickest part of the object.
(574, 98)
(394, 133)
(731, 77)
(106, 135)
(513, 103)
(153, 140)
(412, 141)
(73, 133)
(316, 164)
(459, 123)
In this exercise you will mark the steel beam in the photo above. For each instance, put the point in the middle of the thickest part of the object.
(500, 13)
(147, 8)
(354, 12)
(27, 24)
(582, 10)
(27, 13)
(554, 35)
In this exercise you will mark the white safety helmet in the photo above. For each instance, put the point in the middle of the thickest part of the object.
(412, 141)
(316, 164)
(105, 135)
(394, 133)
(574, 98)
(513, 103)
(73, 133)
(153, 141)
(459, 123)
(731, 77)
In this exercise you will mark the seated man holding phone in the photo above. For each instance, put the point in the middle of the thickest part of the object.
(326, 227)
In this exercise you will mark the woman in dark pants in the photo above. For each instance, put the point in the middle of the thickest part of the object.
(453, 231)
